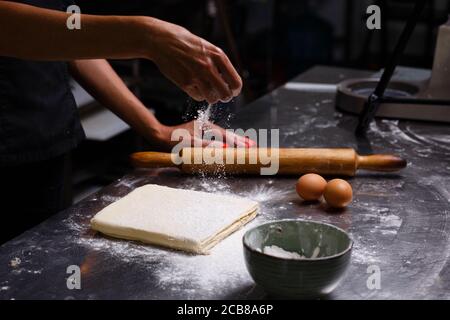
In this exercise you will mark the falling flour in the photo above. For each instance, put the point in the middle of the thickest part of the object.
(204, 116)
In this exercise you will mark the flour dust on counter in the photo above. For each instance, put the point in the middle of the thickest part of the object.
(4, 288)
(129, 182)
(400, 136)
(265, 193)
(176, 271)
(365, 253)
(110, 199)
(22, 263)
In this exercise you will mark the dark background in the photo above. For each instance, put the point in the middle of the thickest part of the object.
(269, 42)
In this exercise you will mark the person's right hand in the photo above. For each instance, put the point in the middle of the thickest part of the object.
(199, 68)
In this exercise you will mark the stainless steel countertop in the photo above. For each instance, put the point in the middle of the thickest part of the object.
(399, 222)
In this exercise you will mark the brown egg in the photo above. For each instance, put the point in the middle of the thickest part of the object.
(310, 187)
(338, 193)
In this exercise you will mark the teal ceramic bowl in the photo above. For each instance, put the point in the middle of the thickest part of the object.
(322, 255)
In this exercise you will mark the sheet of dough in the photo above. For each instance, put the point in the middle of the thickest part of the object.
(176, 218)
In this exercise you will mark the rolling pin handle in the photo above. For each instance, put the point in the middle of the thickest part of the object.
(152, 160)
(381, 162)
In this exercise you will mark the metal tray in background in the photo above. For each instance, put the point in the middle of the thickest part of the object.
(352, 94)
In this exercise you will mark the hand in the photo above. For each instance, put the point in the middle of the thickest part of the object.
(199, 68)
(194, 133)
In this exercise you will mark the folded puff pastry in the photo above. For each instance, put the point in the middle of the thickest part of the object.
(180, 219)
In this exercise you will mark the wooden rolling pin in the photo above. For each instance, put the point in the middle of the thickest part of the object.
(291, 161)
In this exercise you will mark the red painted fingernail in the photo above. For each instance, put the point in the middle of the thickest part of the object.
(225, 145)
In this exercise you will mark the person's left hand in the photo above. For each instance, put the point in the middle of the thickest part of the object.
(193, 133)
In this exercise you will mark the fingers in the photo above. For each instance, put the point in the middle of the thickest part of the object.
(235, 139)
(221, 88)
(194, 92)
(211, 135)
(198, 141)
(207, 91)
(213, 144)
(251, 143)
(228, 72)
(231, 139)
(219, 80)
(211, 85)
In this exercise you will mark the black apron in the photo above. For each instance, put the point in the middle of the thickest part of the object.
(39, 124)
(38, 114)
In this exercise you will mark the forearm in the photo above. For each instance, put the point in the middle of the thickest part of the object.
(196, 66)
(103, 83)
(40, 34)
